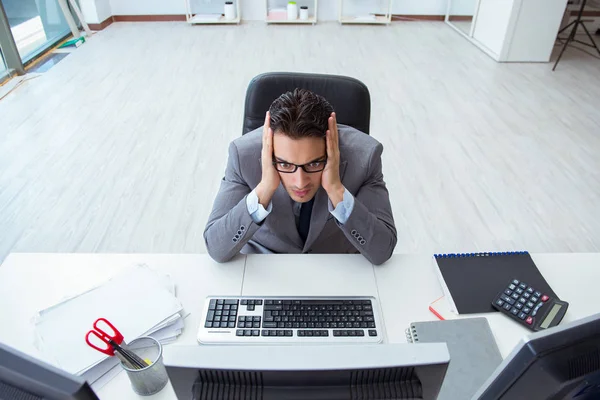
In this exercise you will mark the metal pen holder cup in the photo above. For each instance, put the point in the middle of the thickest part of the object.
(153, 378)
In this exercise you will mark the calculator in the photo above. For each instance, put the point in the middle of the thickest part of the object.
(529, 307)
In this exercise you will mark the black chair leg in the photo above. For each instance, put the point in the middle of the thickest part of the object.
(569, 39)
(594, 45)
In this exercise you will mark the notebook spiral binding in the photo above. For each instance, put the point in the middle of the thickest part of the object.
(411, 334)
(490, 254)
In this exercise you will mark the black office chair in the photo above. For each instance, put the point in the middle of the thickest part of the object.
(349, 97)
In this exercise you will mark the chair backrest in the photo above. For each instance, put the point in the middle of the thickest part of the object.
(349, 97)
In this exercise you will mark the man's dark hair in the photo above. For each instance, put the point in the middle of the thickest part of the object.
(300, 113)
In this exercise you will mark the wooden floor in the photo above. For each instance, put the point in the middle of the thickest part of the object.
(121, 146)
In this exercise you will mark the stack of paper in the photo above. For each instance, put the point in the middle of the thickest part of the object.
(138, 302)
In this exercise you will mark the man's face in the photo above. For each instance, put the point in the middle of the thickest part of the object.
(301, 186)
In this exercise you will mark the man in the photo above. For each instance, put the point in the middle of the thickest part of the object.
(301, 184)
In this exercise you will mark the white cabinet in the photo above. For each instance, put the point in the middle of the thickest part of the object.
(515, 30)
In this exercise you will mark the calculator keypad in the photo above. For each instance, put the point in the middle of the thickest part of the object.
(522, 301)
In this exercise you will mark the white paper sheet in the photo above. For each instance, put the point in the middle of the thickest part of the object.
(134, 301)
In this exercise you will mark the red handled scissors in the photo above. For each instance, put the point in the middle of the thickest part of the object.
(111, 340)
(115, 344)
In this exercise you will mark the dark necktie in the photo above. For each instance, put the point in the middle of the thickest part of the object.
(304, 220)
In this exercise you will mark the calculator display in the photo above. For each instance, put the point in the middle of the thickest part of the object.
(551, 316)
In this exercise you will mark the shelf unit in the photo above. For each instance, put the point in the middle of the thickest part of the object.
(201, 19)
(376, 20)
(312, 19)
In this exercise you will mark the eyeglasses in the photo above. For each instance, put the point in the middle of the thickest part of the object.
(309, 168)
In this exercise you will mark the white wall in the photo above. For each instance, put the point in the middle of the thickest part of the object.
(95, 11)
(255, 9)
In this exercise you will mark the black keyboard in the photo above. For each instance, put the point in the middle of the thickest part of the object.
(233, 319)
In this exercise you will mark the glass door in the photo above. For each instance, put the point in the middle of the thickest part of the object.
(2, 65)
(35, 25)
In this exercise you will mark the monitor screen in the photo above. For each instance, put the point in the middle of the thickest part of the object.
(24, 377)
(339, 372)
(560, 363)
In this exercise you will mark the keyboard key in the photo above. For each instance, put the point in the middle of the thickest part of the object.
(519, 305)
(212, 304)
(247, 332)
(507, 306)
(265, 332)
(227, 307)
(269, 324)
(217, 319)
(308, 333)
(289, 333)
(219, 307)
(300, 333)
(224, 324)
(526, 310)
(522, 315)
(519, 290)
(508, 292)
(372, 332)
(232, 318)
(499, 302)
(241, 325)
(250, 307)
(337, 333)
(231, 301)
(530, 290)
(244, 302)
(534, 299)
(344, 333)
(234, 307)
(512, 287)
(537, 294)
(226, 313)
(255, 332)
(280, 333)
(258, 302)
(210, 315)
(360, 333)
(324, 333)
(523, 286)
(231, 324)
(272, 332)
(273, 307)
(514, 311)
(220, 302)
(526, 295)
(256, 319)
(351, 333)
(371, 325)
(208, 324)
(256, 324)
(239, 332)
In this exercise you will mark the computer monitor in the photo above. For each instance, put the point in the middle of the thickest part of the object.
(316, 372)
(24, 377)
(556, 364)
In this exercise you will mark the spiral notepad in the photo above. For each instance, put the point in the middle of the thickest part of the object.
(474, 354)
(472, 280)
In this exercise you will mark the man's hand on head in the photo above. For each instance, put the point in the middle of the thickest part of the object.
(330, 180)
(270, 177)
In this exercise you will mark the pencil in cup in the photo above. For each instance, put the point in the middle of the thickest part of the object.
(153, 377)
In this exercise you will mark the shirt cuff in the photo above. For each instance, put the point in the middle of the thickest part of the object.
(344, 208)
(255, 209)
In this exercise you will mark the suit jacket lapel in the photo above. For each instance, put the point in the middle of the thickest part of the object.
(320, 212)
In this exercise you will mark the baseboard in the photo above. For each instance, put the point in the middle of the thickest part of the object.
(102, 25)
(178, 17)
(149, 18)
(586, 13)
(402, 17)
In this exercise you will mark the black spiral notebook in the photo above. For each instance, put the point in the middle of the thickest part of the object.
(471, 281)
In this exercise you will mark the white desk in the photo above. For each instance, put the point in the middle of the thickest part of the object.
(405, 286)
